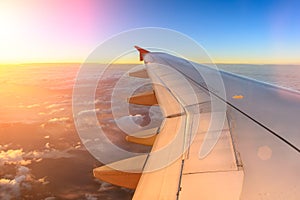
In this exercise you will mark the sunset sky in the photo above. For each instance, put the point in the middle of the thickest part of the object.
(240, 31)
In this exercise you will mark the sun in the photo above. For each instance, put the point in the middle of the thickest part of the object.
(11, 30)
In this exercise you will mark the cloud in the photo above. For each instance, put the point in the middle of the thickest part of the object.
(59, 119)
(55, 154)
(105, 187)
(155, 114)
(13, 157)
(33, 106)
(8, 189)
(87, 103)
(43, 181)
(47, 145)
(90, 197)
(11, 188)
(49, 153)
(56, 111)
(130, 124)
(23, 170)
(88, 112)
(3, 147)
(19, 157)
(86, 118)
(52, 106)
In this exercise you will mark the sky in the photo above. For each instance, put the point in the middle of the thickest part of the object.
(240, 31)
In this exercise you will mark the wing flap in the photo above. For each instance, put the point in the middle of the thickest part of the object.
(161, 176)
(145, 99)
(139, 74)
(124, 173)
(218, 185)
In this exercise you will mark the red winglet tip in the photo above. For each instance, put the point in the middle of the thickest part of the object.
(142, 52)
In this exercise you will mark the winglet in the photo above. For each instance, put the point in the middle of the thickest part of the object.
(142, 52)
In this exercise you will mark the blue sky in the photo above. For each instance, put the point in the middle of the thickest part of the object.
(240, 31)
(231, 31)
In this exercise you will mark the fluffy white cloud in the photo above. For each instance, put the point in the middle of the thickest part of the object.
(105, 186)
(49, 153)
(22, 170)
(20, 158)
(13, 157)
(90, 197)
(130, 124)
(11, 188)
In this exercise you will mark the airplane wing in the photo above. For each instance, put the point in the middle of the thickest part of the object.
(223, 136)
